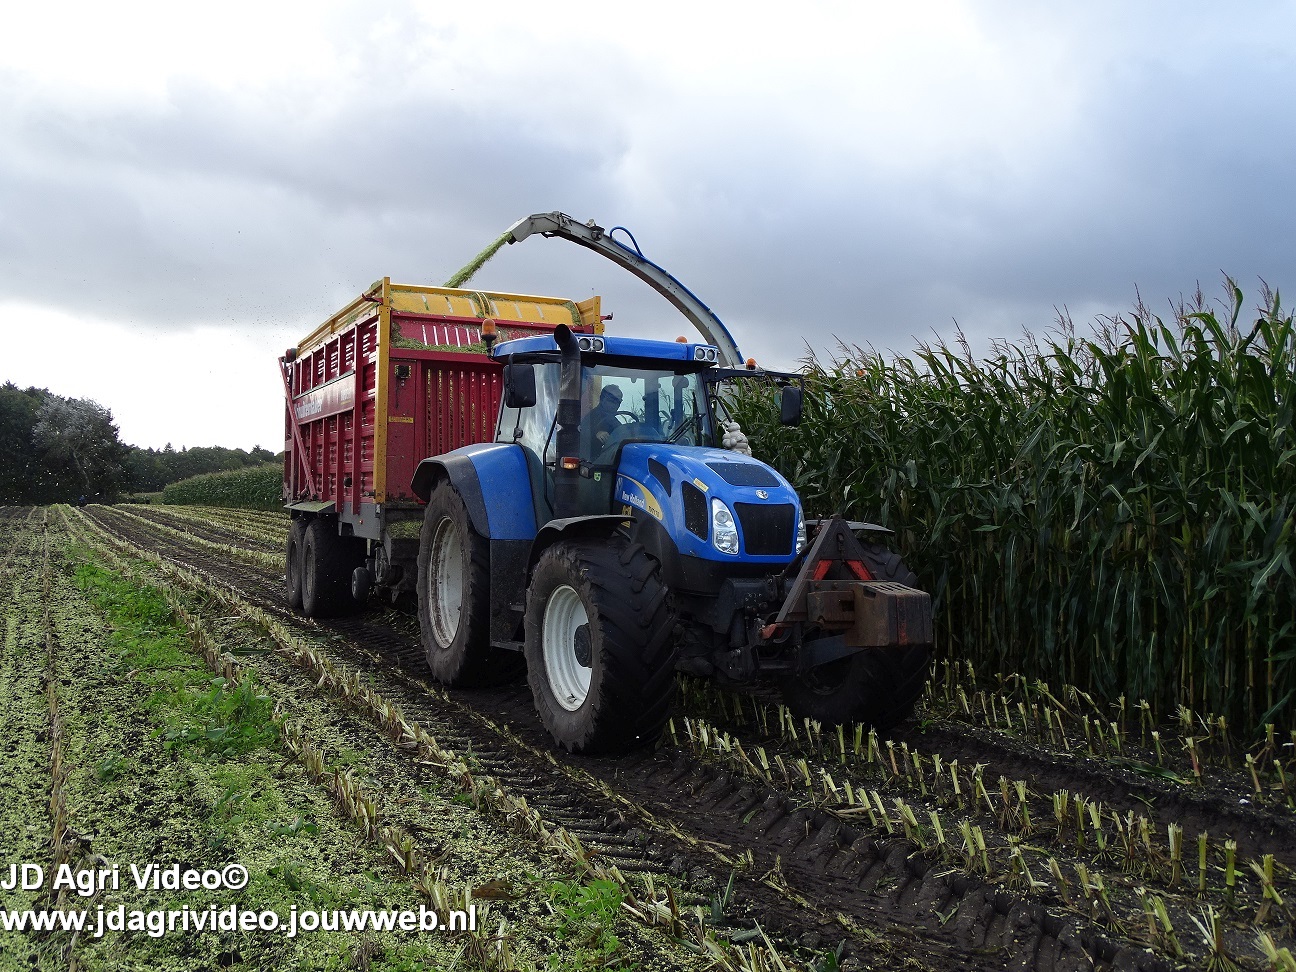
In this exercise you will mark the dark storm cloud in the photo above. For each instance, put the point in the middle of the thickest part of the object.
(207, 213)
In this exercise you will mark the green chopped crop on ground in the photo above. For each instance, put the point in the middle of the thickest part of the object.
(171, 766)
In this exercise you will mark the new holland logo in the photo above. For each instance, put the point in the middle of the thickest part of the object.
(761, 494)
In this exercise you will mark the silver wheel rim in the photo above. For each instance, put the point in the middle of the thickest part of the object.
(445, 581)
(568, 678)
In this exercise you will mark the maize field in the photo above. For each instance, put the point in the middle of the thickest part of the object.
(255, 488)
(1018, 822)
(1113, 511)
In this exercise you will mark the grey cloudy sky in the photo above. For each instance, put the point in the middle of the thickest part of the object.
(187, 189)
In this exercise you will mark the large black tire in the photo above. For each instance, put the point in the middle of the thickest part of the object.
(326, 565)
(876, 686)
(454, 598)
(626, 644)
(885, 564)
(293, 564)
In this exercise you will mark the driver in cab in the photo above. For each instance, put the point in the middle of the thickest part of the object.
(601, 420)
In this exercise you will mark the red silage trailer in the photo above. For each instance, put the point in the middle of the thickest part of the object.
(399, 374)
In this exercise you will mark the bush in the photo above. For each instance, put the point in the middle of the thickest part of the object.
(258, 488)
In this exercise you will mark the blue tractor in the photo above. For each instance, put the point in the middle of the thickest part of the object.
(606, 541)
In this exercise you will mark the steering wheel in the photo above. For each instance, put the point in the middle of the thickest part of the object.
(632, 429)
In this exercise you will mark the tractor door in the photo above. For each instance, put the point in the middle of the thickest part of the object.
(532, 428)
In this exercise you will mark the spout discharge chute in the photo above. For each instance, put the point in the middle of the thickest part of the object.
(601, 241)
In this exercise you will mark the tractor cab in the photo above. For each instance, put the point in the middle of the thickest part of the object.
(629, 391)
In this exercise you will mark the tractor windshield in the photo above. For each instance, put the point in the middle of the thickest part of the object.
(618, 404)
(623, 404)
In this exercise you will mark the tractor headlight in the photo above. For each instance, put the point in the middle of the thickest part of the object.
(801, 532)
(724, 532)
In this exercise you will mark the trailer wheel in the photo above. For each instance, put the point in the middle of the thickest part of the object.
(454, 597)
(326, 564)
(877, 686)
(293, 564)
(599, 645)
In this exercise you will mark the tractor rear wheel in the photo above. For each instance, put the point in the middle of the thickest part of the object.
(876, 686)
(599, 645)
(327, 561)
(293, 563)
(454, 597)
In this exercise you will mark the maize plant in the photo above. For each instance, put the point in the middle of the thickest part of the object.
(1116, 509)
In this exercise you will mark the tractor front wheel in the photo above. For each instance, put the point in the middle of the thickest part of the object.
(599, 645)
(876, 686)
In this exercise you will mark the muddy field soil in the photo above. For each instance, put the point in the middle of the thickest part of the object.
(1007, 826)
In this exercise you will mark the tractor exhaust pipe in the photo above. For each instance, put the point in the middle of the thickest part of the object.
(567, 471)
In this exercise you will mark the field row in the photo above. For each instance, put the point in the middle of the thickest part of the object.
(826, 818)
(189, 768)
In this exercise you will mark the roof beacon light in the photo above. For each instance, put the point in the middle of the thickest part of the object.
(751, 364)
(681, 340)
(488, 334)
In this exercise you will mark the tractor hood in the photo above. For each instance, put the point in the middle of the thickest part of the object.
(678, 484)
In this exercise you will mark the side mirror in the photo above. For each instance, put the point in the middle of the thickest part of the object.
(519, 386)
(790, 406)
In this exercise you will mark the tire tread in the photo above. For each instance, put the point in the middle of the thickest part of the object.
(883, 684)
(472, 662)
(633, 701)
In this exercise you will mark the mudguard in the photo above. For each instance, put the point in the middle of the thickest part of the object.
(570, 527)
(493, 481)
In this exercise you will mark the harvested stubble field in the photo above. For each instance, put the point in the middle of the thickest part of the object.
(1012, 825)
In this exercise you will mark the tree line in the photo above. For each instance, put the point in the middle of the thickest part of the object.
(58, 450)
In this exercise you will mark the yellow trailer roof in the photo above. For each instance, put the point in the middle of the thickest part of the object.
(451, 302)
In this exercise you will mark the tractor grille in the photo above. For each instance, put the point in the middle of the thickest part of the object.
(768, 528)
(744, 473)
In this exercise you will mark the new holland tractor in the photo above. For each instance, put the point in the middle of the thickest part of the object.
(605, 540)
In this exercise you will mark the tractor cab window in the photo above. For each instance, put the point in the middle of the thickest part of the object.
(621, 404)
(618, 405)
(533, 427)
